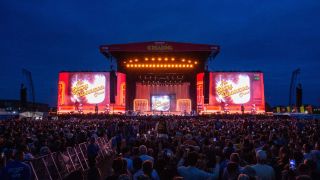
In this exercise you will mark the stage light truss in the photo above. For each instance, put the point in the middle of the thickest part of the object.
(160, 62)
(161, 79)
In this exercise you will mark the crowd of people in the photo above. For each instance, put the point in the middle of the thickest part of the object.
(175, 147)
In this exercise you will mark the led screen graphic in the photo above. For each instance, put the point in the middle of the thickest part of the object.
(86, 91)
(231, 91)
(160, 103)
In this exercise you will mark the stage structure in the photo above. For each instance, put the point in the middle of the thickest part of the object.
(160, 78)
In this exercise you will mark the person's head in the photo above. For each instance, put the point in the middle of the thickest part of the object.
(249, 171)
(192, 158)
(234, 157)
(92, 140)
(143, 149)
(147, 167)
(261, 156)
(306, 148)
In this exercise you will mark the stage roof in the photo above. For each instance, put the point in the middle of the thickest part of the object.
(122, 51)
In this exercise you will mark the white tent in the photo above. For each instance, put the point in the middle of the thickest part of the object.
(33, 115)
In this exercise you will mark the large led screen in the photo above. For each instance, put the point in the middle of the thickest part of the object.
(160, 103)
(235, 89)
(232, 92)
(80, 90)
(87, 91)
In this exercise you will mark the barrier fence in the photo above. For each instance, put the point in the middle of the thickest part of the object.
(59, 165)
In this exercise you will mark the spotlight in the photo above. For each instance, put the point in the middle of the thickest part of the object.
(189, 61)
(135, 65)
(136, 60)
(196, 62)
(183, 60)
(139, 65)
(191, 65)
(172, 59)
(146, 59)
(152, 59)
(187, 65)
(130, 61)
(159, 59)
(166, 59)
(128, 65)
(183, 65)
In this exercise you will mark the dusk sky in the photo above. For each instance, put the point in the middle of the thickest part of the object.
(274, 36)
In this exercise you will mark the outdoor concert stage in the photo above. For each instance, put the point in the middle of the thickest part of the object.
(160, 78)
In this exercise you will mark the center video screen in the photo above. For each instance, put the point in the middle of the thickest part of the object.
(160, 103)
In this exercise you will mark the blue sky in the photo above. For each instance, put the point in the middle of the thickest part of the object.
(274, 36)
